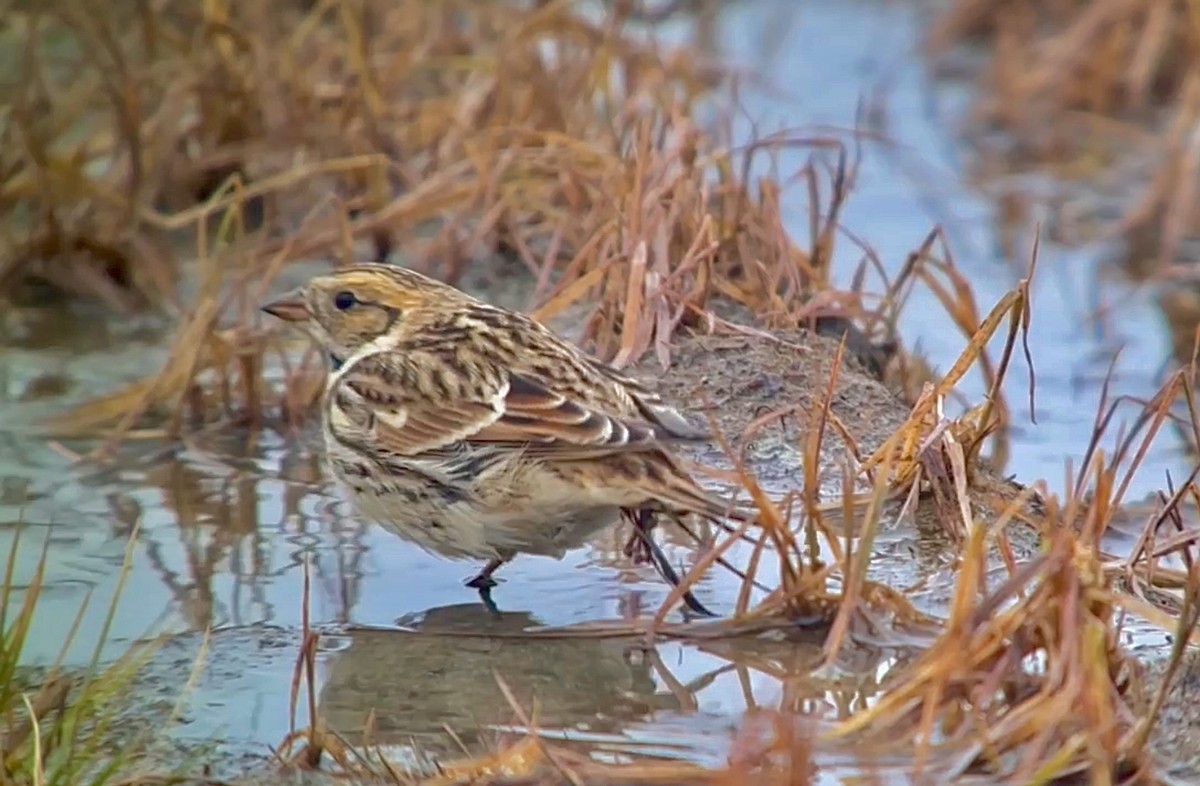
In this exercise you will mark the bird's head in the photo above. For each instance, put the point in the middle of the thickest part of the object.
(349, 309)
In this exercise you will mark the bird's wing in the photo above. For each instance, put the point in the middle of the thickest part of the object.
(547, 422)
(412, 409)
(666, 418)
(406, 403)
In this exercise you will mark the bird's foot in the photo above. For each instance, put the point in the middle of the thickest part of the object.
(482, 582)
(637, 550)
(640, 547)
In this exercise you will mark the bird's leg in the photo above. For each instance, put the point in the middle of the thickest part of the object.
(637, 548)
(720, 560)
(485, 597)
(484, 583)
(484, 580)
(643, 531)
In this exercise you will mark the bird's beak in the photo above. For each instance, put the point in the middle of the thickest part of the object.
(290, 307)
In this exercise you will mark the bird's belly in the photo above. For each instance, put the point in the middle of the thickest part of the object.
(470, 522)
(462, 530)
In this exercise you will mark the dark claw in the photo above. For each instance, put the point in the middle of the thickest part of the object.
(484, 580)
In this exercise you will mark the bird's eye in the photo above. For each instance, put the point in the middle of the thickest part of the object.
(344, 300)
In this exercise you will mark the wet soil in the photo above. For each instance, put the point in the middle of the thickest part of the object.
(1177, 734)
(781, 383)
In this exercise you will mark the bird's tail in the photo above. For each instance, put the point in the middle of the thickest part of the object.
(686, 494)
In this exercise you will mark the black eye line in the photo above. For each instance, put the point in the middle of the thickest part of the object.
(372, 304)
(393, 314)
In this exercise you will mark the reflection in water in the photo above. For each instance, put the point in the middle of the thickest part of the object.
(415, 685)
(242, 523)
(433, 686)
(223, 530)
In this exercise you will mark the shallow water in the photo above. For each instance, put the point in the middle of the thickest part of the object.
(224, 530)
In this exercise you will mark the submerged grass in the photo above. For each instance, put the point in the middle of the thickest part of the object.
(60, 725)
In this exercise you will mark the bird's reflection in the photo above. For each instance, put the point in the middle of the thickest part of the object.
(441, 672)
(227, 533)
(435, 684)
(225, 527)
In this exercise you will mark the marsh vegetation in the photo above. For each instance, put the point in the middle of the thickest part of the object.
(910, 608)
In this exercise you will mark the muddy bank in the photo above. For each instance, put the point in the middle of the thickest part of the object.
(779, 382)
(1177, 733)
(775, 386)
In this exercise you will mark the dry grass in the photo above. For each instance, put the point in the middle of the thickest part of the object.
(458, 131)
(351, 128)
(1105, 94)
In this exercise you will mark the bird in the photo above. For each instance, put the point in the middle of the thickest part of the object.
(475, 431)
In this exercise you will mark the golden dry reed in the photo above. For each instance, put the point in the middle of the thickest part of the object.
(454, 132)
(1102, 94)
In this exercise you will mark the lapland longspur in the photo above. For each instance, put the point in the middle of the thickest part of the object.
(474, 431)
